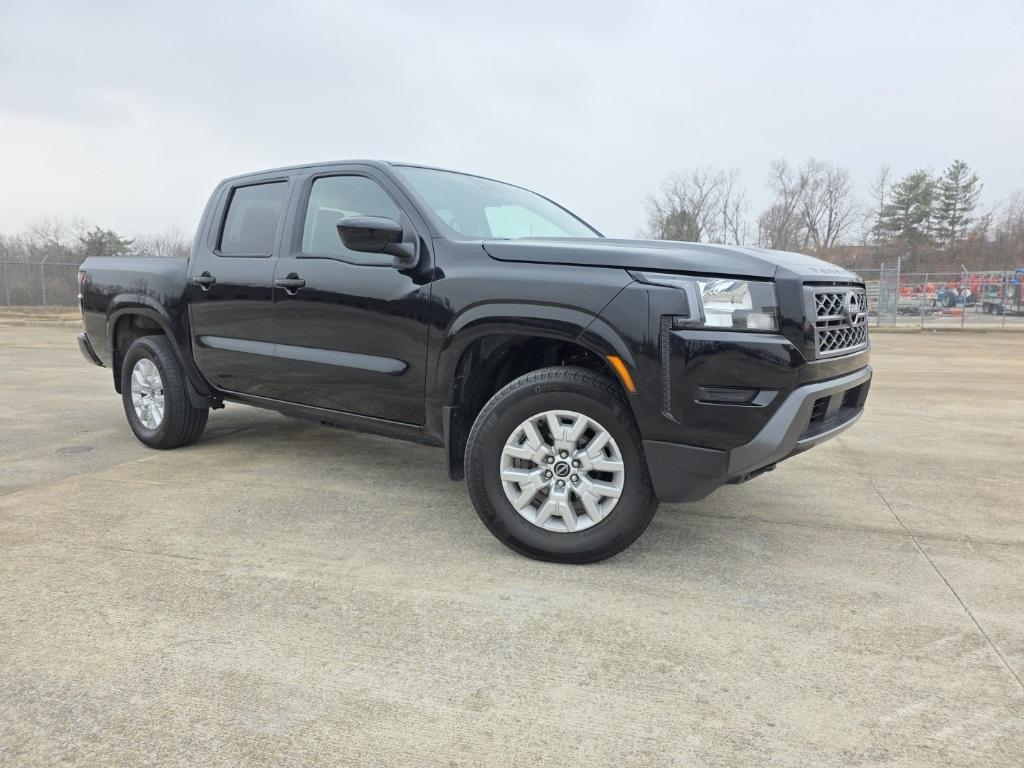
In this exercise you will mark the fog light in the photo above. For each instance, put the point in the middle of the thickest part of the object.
(727, 395)
(735, 396)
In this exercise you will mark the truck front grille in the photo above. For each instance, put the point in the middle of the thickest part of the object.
(841, 320)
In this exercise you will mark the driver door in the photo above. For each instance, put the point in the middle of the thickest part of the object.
(350, 329)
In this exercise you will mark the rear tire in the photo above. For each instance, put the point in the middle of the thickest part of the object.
(603, 503)
(155, 396)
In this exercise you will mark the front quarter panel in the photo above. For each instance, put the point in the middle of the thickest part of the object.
(475, 296)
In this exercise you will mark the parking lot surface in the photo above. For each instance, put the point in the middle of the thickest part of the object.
(286, 594)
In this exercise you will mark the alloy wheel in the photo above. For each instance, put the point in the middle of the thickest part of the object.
(147, 393)
(562, 471)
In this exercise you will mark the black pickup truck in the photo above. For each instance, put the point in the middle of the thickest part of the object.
(572, 379)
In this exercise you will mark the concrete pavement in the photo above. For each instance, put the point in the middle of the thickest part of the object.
(285, 594)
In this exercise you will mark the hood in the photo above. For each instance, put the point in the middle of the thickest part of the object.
(665, 256)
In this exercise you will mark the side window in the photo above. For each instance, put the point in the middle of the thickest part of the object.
(251, 222)
(332, 199)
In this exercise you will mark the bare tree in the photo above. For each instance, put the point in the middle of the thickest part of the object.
(813, 208)
(878, 191)
(53, 240)
(1008, 231)
(827, 205)
(698, 205)
(172, 242)
(780, 226)
(733, 205)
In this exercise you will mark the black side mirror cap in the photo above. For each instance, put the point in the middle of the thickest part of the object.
(376, 234)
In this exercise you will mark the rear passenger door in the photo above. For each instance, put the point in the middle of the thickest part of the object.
(351, 330)
(230, 285)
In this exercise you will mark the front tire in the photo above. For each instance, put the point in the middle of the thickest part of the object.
(156, 402)
(555, 467)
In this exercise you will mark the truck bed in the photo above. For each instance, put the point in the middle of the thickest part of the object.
(152, 283)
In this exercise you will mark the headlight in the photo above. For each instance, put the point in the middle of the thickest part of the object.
(745, 305)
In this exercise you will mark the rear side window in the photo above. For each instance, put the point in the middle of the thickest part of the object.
(251, 222)
(331, 200)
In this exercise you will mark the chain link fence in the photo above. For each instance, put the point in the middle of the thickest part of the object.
(38, 284)
(965, 299)
(981, 299)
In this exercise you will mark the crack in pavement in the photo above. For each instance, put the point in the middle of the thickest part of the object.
(935, 567)
(951, 588)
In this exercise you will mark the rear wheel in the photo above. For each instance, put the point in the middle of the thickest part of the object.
(156, 402)
(555, 467)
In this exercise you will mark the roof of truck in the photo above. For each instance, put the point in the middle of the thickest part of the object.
(358, 161)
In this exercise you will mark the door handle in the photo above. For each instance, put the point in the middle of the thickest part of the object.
(291, 284)
(204, 281)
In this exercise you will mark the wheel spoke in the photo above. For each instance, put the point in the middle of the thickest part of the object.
(555, 425)
(546, 510)
(575, 432)
(529, 482)
(601, 489)
(524, 452)
(524, 498)
(533, 438)
(597, 444)
(569, 518)
(558, 504)
(522, 476)
(589, 502)
(604, 464)
(535, 441)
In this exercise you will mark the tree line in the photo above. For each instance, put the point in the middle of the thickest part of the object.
(930, 221)
(54, 241)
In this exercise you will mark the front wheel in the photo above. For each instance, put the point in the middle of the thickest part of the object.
(555, 467)
(155, 397)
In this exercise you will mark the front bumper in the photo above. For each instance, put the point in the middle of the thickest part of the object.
(85, 347)
(809, 415)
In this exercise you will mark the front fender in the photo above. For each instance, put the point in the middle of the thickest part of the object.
(557, 322)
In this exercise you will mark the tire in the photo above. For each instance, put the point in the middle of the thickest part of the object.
(179, 422)
(573, 535)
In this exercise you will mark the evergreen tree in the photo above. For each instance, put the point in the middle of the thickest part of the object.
(102, 242)
(910, 210)
(958, 193)
(679, 225)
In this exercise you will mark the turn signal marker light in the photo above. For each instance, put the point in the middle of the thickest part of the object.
(623, 373)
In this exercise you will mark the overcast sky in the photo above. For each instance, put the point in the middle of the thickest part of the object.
(127, 114)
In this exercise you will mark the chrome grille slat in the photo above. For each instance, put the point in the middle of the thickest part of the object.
(840, 320)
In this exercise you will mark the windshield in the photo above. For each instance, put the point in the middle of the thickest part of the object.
(477, 208)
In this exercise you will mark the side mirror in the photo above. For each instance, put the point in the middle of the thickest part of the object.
(376, 234)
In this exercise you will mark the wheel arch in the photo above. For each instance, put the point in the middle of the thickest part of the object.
(489, 352)
(134, 316)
